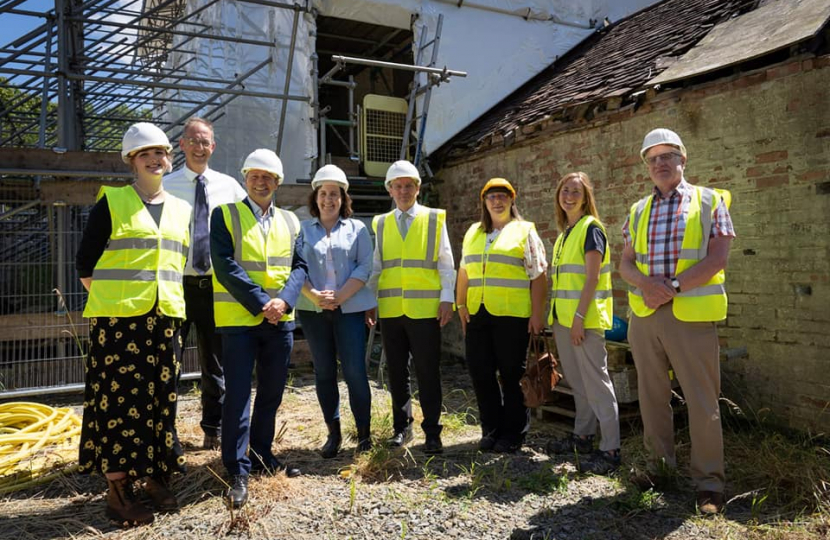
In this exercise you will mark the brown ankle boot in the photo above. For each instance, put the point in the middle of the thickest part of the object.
(162, 498)
(122, 505)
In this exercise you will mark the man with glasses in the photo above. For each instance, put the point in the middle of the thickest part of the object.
(204, 189)
(676, 247)
(414, 277)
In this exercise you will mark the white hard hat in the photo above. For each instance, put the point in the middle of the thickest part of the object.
(330, 173)
(264, 160)
(661, 136)
(143, 135)
(402, 169)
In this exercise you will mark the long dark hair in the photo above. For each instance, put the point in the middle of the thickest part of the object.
(345, 206)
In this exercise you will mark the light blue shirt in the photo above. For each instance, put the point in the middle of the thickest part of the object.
(351, 248)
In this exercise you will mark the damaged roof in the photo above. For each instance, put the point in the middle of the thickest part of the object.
(613, 62)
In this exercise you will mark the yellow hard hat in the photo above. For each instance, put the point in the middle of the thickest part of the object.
(498, 183)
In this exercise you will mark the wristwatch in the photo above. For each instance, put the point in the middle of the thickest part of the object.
(675, 283)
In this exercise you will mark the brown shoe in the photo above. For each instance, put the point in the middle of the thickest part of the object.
(123, 508)
(162, 498)
(709, 503)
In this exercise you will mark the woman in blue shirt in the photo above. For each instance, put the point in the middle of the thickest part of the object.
(339, 255)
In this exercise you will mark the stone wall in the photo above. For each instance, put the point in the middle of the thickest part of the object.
(765, 136)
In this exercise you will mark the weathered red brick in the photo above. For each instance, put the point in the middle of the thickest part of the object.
(756, 171)
(771, 157)
(772, 181)
(783, 71)
(812, 176)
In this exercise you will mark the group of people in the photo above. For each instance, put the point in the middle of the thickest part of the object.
(194, 248)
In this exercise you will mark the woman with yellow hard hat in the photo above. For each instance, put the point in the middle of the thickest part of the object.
(131, 260)
(500, 297)
(581, 311)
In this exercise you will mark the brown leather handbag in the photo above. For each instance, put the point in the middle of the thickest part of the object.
(540, 376)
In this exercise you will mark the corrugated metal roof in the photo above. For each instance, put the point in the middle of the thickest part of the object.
(611, 63)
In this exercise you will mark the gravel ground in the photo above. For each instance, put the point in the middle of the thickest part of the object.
(462, 494)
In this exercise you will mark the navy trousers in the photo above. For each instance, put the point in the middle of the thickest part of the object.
(269, 348)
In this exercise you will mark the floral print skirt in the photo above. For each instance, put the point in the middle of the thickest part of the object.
(129, 421)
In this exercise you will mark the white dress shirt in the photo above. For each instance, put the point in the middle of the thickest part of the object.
(221, 189)
(446, 265)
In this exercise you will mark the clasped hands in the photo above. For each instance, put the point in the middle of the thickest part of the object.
(326, 299)
(657, 291)
(274, 310)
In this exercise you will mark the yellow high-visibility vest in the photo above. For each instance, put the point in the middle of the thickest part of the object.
(498, 278)
(266, 260)
(409, 282)
(143, 262)
(701, 304)
(569, 279)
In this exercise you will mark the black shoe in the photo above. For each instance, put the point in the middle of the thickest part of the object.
(333, 441)
(364, 439)
(570, 444)
(601, 462)
(211, 442)
(400, 438)
(506, 446)
(273, 467)
(238, 493)
(433, 445)
(487, 442)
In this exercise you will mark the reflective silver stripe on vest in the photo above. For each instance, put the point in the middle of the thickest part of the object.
(146, 244)
(641, 206)
(506, 259)
(121, 274)
(421, 295)
(432, 235)
(223, 297)
(706, 290)
(236, 225)
(580, 269)
(706, 197)
(286, 216)
(474, 282)
(508, 283)
(409, 263)
(432, 241)
(253, 266)
(576, 295)
(472, 258)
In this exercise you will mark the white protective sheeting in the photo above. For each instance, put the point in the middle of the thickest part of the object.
(501, 44)
(249, 123)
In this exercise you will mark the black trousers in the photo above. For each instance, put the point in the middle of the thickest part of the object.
(421, 337)
(198, 298)
(496, 359)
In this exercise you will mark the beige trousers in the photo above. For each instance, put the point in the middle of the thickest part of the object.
(659, 342)
(586, 372)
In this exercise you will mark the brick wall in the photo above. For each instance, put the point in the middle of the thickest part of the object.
(766, 137)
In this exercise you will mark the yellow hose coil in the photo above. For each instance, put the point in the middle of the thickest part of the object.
(37, 444)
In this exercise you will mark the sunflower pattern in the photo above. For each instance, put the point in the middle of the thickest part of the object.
(129, 421)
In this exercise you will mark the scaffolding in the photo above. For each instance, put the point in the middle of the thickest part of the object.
(83, 73)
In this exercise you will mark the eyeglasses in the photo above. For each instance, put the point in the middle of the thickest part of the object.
(662, 158)
(403, 187)
(493, 197)
(204, 143)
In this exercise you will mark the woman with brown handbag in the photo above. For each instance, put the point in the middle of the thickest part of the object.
(500, 297)
(581, 311)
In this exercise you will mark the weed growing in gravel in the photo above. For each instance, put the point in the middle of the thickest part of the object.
(545, 480)
(381, 463)
(633, 502)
